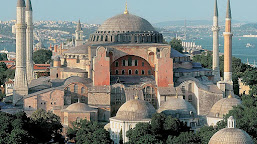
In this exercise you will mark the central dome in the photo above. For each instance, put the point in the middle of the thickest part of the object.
(126, 23)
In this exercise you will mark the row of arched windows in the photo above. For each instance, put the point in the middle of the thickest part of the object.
(130, 72)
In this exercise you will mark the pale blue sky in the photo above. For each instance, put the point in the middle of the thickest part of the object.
(96, 11)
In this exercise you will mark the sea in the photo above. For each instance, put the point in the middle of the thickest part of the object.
(239, 48)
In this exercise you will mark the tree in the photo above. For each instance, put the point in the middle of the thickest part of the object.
(89, 132)
(121, 138)
(3, 57)
(184, 138)
(42, 56)
(46, 125)
(176, 44)
(161, 128)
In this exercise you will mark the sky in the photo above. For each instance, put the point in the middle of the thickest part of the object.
(97, 11)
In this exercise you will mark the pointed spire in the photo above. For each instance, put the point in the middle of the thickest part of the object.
(126, 9)
(21, 3)
(216, 9)
(228, 10)
(29, 6)
(79, 26)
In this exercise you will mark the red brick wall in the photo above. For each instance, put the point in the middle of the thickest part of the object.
(101, 72)
(139, 66)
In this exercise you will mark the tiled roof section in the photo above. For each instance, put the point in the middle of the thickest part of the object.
(174, 53)
(131, 80)
(41, 66)
(76, 70)
(135, 110)
(191, 70)
(100, 89)
(29, 6)
(223, 106)
(166, 90)
(40, 81)
(79, 108)
(76, 79)
(82, 49)
(126, 22)
(231, 136)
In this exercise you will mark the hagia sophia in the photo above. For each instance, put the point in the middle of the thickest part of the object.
(123, 75)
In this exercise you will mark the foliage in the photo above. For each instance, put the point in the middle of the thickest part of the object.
(121, 138)
(88, 132)
(161, 128)
(184, 138)
(3, 57)
(42, 56)
(176, 44)
(46, 125)
(246, 115)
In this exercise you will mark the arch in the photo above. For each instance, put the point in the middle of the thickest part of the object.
(150, 95)
(83, 90)
(131, 62)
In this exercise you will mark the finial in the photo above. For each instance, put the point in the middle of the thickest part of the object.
(228, 10)
(216, 8)
(136, 97)
(230, 95)
(126, 9)
(79, 26)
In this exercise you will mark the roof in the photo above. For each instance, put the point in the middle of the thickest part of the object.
(231, 136)
(21, 3)
(135, 110)
(176, 106)
(126, 22)
(223, 106)
(79, 107)
(29, 6)
(76, 79)
(79, 26)
(216, 13)
(228, 15)
(174, 53)
(82, 49)
(76, 70)
(41, 66)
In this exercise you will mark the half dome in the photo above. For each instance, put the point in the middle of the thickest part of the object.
(79, 107)
(134, 110)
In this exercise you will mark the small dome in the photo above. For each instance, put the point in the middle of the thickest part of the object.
(223, 106)
(135, 110)
(79, 107)
(231, 136)
(126, 22)
(176, 106)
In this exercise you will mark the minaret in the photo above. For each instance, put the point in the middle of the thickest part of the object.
(20, 83)
(29, 38)
(228, 52)
(216, 29)
(79, 35)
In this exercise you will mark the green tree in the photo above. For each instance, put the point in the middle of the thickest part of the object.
(3, 57)
(121, 138)
(89, 132)
(42, 56)
(46, 126)
(184, 138)
(176, 44)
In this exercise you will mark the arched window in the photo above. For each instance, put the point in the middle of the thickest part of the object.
(78, 119)
(57, 75)
(190, 98)
(136, 62)
(68, 92)
(143, 72)
(66, 120)
(83, 90)
(130, 72)
(123, 62)
(149, 72)
(150, 95)
(123, 72)
(116, 64)
(116, 72)
(136, 72)
(143, 64)
(190, 87)
(75, 88)
(78, 60)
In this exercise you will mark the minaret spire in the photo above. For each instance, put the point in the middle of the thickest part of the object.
(228, 52)
(228, 10)
(79, 35)
(29, 41)
(126, 8)
(20, 83)
(216, 29)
